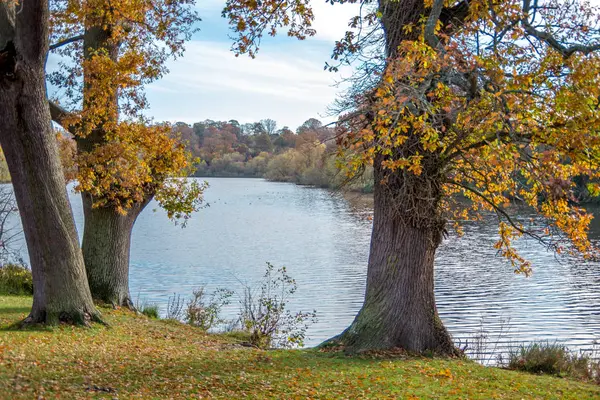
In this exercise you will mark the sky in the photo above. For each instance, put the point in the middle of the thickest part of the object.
(285, 82)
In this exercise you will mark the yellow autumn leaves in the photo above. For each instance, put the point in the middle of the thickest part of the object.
(505, 122)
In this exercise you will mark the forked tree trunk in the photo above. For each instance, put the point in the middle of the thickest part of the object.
(106, 248)
(61, 292)
(399, 310)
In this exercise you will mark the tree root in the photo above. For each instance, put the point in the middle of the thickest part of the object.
(75, 318)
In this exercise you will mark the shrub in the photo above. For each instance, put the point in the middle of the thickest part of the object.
(553, 359)
(205, 315)
(595, 371)
(15, 280)
(282, 168)
(174, 308)
(264, 314)
(150, 310)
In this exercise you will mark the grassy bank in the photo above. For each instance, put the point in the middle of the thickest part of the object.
(137, 357)
(357, 200)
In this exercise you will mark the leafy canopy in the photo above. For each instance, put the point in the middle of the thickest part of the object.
(109, 51)
(493, 102)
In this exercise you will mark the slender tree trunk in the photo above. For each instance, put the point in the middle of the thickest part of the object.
(61, 292)
(399, 310)
(107, 233)
(106, 247)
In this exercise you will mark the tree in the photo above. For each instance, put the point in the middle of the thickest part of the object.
(311, 124)
(113, 49)
(262, 143)
(219, 139)
(285, 138)
(188, 137)
(199, 128)
(494, 101)
(269, 126)
(61, 292)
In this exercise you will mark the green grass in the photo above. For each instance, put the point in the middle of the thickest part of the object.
(139, 357)
(149, 310)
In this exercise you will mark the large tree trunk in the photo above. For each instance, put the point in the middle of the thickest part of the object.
(106, 247)
(61, 292)
(399, 310)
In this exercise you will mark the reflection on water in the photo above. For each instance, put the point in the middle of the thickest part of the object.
(325, 244)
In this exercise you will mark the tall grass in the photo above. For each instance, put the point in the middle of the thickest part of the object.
(554, 359)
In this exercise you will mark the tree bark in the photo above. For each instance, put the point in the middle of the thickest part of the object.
(399, 310)
(106, 248)
(61, 292)
(107, 233)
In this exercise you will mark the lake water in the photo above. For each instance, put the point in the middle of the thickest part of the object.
(324, 243)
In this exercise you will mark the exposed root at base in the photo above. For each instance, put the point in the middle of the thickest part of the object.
(340, 342)
(78, 318)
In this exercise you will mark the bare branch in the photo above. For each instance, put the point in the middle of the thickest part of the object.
(65, 42)
(501, 211)
(550, 40)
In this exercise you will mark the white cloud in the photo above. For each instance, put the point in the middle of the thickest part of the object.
(331, 20)
(209, 82)
(285, 82)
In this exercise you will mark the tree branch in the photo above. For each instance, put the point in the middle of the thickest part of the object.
(59, 115)
(550, 40)
(500, 211)
(65, 42)
(434, 16)
(453, 17)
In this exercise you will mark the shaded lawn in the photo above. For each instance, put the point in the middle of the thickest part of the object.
(141, 358)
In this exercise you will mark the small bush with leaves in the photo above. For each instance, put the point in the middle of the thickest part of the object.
(206, 315)
(265, 316)
(553, 359)
(15, 280)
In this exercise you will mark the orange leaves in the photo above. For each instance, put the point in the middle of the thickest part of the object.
(445, 373)
(251, 19)
(408, 112)
(504, 246)
(136, 163)
(125, 46)
(508, 121)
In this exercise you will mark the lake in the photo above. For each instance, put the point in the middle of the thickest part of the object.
(324, 243)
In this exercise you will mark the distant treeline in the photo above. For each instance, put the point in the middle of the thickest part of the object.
(306, 156)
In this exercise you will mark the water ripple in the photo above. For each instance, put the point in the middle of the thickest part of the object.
(325, 244)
